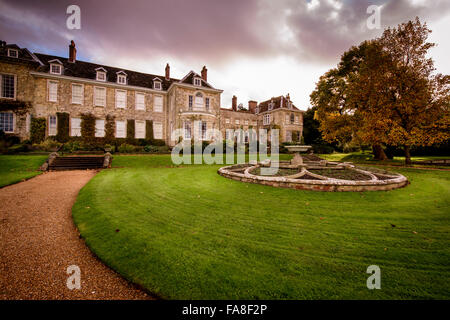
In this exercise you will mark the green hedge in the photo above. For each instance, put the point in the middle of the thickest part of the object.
(130, 132)
(88, 128)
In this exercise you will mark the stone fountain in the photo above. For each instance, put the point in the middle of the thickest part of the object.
(298, 160)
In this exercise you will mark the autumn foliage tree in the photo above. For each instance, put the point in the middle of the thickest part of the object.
(386, 92)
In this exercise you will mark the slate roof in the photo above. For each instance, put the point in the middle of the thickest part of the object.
(264, 106)
(86, 70)
(24, 56)
(189, 79)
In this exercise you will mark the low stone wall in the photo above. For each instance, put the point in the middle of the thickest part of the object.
(397, 181)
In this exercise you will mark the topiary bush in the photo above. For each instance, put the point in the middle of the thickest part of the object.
(88, 128)
(130, 132)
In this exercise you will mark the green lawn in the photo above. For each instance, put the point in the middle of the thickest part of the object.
(188, 233)
(14, 169)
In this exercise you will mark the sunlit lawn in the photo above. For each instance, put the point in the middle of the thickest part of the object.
(17, 168)
(188, 233)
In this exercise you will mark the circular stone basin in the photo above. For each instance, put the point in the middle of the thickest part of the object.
(298, 148)
(317, 176)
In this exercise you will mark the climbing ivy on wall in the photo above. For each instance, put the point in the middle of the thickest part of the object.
(149, 130)
(130, 131)
(88, 128)
(37, 129)
(109, 129)
(62, 134)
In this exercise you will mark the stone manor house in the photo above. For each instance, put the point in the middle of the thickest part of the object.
(51, 85)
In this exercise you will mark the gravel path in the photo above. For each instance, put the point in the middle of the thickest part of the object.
(38, 241)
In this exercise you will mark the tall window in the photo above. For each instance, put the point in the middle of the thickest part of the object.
(99, 128)
(287, 119)
(53, 91)
(7, 121)
(157, 130)
(99, 96)
(158, 104)
(77, 93)
(191, 101)
(207, 103)
(140, 101)
(52, 126)
(75, 127)
(121, 99)
(139, 129)
(121, 129)
(292, 118)
(296, 120)
(198, 100)
(236, 121)
(266, 119)
(7, 88)
(187, 130)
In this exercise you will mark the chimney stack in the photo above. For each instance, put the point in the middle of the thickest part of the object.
(72, 52)
(205, 74)
(234, 103)
(252, 104)
(167, 72)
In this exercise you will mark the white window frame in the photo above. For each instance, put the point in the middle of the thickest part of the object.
(55, 65)
(207, 103)
(124, 129)
(49, 97)
(197, 82)
(125, 101)
(13, 121)
(99, 130)
(246, 122)
(141, 123)
(157, 85)
(122, 77)
(99, 78)
(187, 130)
(72, 127)
(1, 86)
(140, 106)
(155, 98)
(266, 119)
(190, 102)
(96, 90)
(157, 124)
(227, 120)
(13, 56)
(236, 121)
(52, 130)
(81, 102)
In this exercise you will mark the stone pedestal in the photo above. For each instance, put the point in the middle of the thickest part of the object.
(297, 160)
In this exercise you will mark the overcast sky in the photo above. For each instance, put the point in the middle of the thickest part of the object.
(252, 49)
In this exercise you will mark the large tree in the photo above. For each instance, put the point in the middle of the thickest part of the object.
(385, 91)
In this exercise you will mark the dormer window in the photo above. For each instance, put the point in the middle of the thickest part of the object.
(121, 79)
(55, 68)
(270, 105)
(101, 76)
(13, 53)
(257, 110)
(197, 82)
(157, 85)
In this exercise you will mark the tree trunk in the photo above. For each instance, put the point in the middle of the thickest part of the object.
(378, 152)
(407, 155)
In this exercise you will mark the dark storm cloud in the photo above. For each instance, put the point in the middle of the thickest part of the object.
(212, 31)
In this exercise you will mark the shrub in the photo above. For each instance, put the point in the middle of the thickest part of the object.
(126, 148)
(47, 145)
(322, 148)
(62, 134)
(18, 148)
(37, 129)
